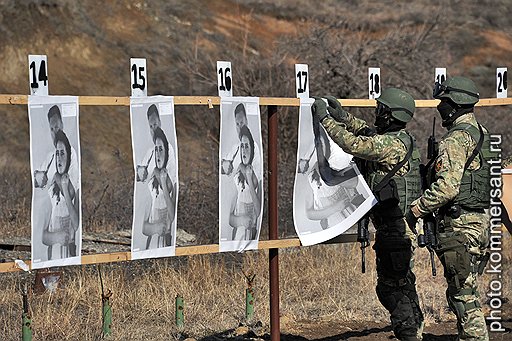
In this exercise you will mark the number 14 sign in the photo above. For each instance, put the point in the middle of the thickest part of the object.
(38, 75)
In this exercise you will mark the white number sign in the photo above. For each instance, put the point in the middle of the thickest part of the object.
(38, 75)
(302, 80)
(374, 84)
(139, 73)
(224, 74)
(440, 75)
(501, 82)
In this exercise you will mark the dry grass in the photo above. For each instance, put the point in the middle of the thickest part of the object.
(320, 282)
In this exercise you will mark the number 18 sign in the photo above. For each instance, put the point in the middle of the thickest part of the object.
(38, 75)
(374, 86)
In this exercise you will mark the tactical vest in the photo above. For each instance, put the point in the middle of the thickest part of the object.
(408, 185)
(474, 192)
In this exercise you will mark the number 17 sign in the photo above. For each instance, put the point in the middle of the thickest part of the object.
(302, 81)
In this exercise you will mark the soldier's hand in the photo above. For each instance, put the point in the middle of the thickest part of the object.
(336, 110)
(411, 221)
(319, 109)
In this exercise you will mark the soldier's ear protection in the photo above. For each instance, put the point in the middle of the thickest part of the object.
(381, 109)
(440, 89)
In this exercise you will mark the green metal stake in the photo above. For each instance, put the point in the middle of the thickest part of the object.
(180, 320)
(107, 314)
(249, 298)
(249, 304)
(106, 309)
(26, 329)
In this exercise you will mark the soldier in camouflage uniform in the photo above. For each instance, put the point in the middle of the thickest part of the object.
(381, 149)
(459, 194)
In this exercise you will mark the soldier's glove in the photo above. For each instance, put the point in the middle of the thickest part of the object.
(319, 109)
(411, 221)
(367, 131)
(336, 110)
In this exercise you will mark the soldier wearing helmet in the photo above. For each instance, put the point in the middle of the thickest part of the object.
(388, 149)
(459, 194)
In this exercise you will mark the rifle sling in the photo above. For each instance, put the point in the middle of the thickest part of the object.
(477, 148)
(395, 169)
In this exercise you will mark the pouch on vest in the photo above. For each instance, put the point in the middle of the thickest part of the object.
(387, 194)
(455, 258)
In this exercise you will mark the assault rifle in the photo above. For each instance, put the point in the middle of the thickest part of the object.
(363, 233)
(363, 237)
(427, 238)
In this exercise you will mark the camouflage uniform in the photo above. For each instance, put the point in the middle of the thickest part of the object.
(394, 242)
(469, 233)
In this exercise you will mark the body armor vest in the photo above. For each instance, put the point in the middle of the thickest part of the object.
(474, 192)
(408, 185)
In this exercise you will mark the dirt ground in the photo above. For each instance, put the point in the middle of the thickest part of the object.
(358, 331)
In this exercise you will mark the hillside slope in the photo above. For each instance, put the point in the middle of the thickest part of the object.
(89, 44)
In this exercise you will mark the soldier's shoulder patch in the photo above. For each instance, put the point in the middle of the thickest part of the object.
(438, 165)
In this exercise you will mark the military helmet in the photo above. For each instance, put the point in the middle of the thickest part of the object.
(460, 90)
(399, 102)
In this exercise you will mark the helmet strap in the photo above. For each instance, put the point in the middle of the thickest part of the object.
(450, 111)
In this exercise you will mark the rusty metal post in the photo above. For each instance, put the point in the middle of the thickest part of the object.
(107, 314)
(26, 329)
(106, 309)
(180, 306)
(272, 223)
(249, 298)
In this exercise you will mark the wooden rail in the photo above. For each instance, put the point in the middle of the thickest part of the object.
(210, 101)
(214, 100)
(187, 251)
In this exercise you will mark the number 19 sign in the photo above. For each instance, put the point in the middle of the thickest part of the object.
(224, 74)
(38, 75)
(374, 86)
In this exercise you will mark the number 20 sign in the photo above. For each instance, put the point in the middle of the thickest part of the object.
(38, 75)
(501, 82)
(374, 84)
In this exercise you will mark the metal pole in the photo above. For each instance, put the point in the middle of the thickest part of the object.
(107, 314)
(249, 299)
(106, 308)
(180, 319)
(272, 223)
(26, 329)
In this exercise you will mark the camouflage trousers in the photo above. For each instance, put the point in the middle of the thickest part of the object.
(463, 241)
(396, 283)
